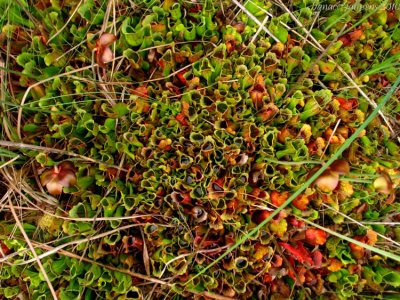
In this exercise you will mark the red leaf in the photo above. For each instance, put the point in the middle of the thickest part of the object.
(4, 249)
(284, 134)
(257, 92)
(141, 91)
(161, 63)
(258, 194)
(317, 258)
(355, 35)
(260, 215)
(268, 278)
(299, 253)
(131, 242)
(384, 81)
(278, 198)
(186, 198)
(233, 204)
(312, 147)
(294, 222)
(349, 38)
(220, 181)
(182, 78)
(277, 261)
(340, 166)
(200, 240)
(327, 181)
(356, 250)
(196, 8)
(301, 202)
(315, 236)
(181, 119)
(267, 112)
(347, 104)
(345, 40)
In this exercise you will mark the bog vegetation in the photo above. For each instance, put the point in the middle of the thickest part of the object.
(199, 149)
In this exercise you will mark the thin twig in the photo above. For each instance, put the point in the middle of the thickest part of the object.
(72, 243)
(253, 39)
(10, 161)
(256, 20)
(53, 150)
(72, 255)
(190, 254)
(374, 223)
(66, 23)
(311, 67)
(370, 101)
(36, 257)
(96, 219)
(362, 224)
(304, 38)
(330, 138)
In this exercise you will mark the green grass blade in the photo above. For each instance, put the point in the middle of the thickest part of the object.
(367, 15)
(393, 61)
(7, 153)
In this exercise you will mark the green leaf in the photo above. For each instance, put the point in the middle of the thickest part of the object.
(391, 277)
(92, 274)
(44, 159)
(15, 12)
(7, 153)
(79, 227)
(76, 267)
(78, 211)
(30, 127)
(33, 278)
(337, 248)
(85, 182)
(123, 282)
(105, 279)
(278, 30)
(29, 228)
(338, 16)
(109, 125)
(11, 292)
(15, 245)
(120, 109)
(59, 266)
(256, 8)
(74, 285)
(25, 58)
(396, 34)
(133, 36)
(88, 10)
(67, 295)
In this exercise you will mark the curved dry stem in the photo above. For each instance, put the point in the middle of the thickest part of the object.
(256, 20)
(66, 23)
(73, 243)
(62, 152)
(36, 257)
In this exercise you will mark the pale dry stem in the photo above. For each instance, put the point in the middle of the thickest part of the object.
(36, 257)
(66, 23)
